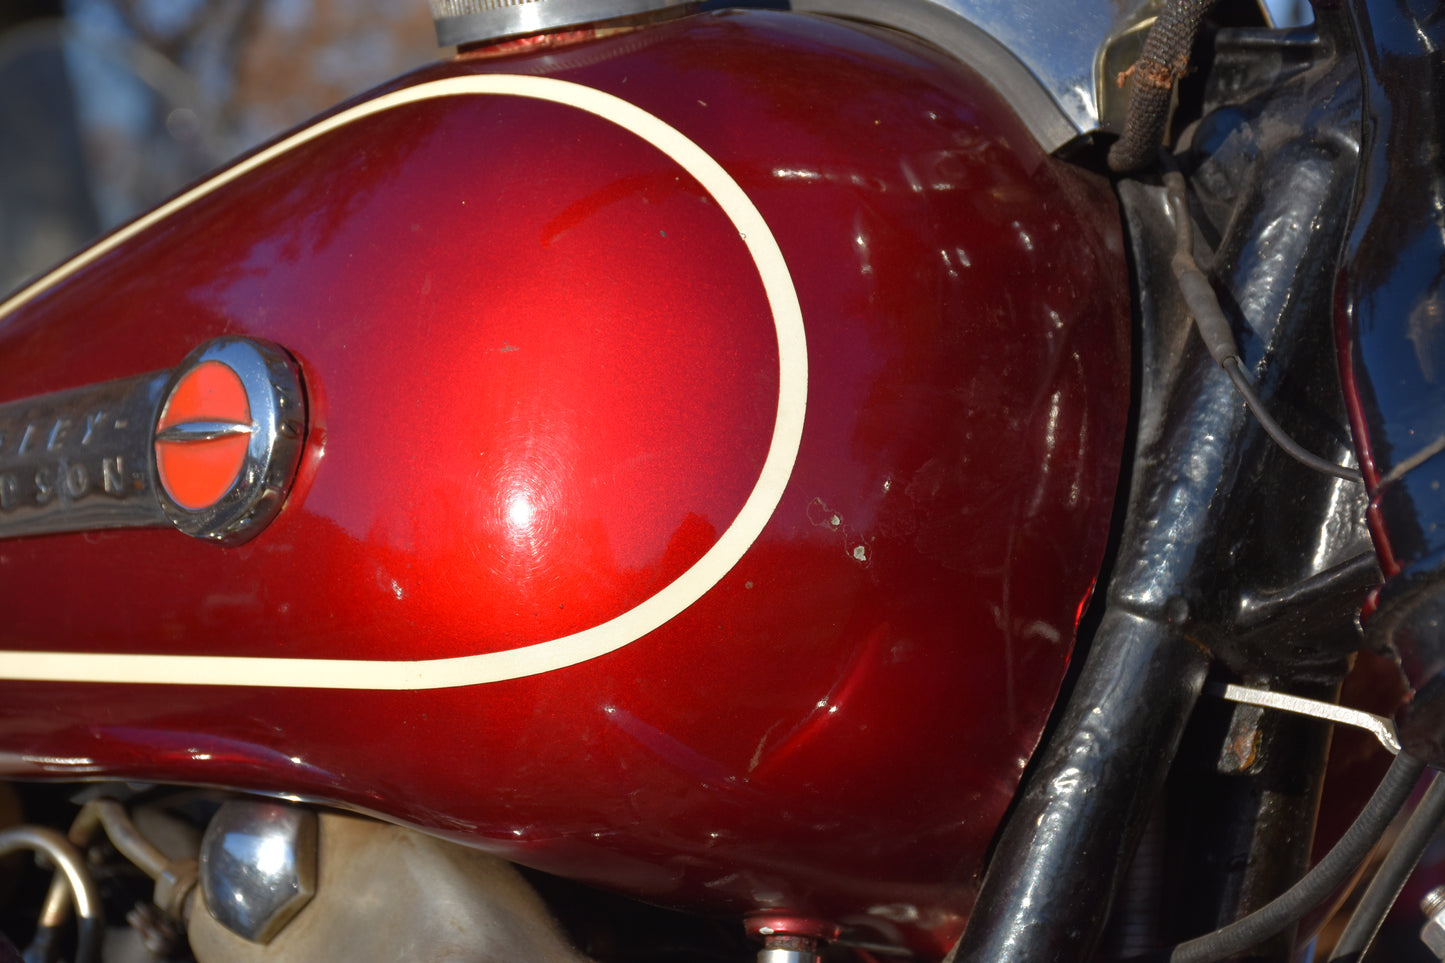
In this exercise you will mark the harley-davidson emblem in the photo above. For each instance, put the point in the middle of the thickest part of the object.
(202, 436)
(210, 448)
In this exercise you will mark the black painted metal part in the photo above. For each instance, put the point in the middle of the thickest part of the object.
(1390, 314)
(1230, 550)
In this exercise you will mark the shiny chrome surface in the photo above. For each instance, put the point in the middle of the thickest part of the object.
(276, 432)
(84, 459)
(202, 431)
(480, 21)
(1432, 934)
(385, 893)
(79, 460)
(1053, 77)
(773, 954)
(258, 866)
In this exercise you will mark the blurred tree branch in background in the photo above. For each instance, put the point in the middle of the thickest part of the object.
(109, 106)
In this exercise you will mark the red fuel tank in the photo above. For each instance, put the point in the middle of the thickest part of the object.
(710, 439)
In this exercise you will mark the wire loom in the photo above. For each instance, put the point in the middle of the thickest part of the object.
(1162, 63)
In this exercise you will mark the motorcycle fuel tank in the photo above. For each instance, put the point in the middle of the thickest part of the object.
(710, 436)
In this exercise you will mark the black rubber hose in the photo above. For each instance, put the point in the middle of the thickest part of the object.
(1385, 888)
(1163, 61)
(1326, 876)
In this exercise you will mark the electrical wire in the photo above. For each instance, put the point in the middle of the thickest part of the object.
(1294, 449)
(1218, 336)
(1399, 863)
(1316, 885)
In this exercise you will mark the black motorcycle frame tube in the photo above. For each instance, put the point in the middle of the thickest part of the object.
(1063, 850)
(1390, 329)
(1272, 164)
(1065, 847)
(1216, 514)
(1069, 839)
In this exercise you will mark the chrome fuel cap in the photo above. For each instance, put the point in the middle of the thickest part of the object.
(482, 21)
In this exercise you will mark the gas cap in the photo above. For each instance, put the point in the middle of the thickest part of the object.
(481, 21)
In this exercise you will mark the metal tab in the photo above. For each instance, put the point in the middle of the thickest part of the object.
(1378, 726)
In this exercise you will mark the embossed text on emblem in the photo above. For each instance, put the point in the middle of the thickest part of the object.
(78, 459)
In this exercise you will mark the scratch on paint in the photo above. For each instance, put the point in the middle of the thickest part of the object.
(758, 752)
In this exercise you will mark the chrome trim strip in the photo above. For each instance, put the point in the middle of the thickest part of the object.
(85, 459)
(470, 21)
(80, 460)
(1044, 57)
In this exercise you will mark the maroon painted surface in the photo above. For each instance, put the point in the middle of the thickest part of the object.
(492, 296)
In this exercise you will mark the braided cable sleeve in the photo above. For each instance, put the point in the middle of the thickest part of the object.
(1163, 61)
